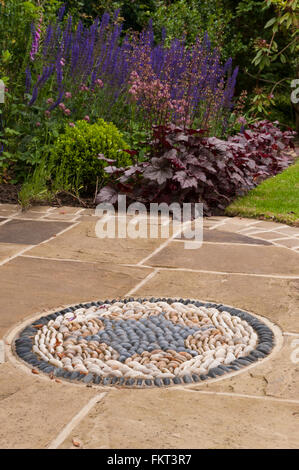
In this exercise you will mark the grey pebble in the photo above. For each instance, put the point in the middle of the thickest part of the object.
(88, 378)
(187, 379)
(130, 382)
(158, 382)
(176, 380)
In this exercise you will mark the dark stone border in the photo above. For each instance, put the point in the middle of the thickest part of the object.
(23, 348)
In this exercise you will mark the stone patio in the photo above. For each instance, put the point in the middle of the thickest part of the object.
(51, 258)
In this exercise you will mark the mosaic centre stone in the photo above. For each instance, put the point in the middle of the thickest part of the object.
(143, 342)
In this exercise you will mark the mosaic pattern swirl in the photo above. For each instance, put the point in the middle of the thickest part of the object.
(143, 342)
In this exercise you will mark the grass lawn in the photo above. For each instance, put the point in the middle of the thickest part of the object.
(277, 198)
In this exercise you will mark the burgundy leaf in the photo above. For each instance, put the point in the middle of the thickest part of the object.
(108, 160)
(107, 194)
(185, 180)
(130, 152)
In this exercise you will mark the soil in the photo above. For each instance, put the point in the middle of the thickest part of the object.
(9, 193)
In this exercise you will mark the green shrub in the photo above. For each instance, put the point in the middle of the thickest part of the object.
(75, 153)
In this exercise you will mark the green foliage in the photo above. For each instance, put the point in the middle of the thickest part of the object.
(135, 13)
(192, 18)
(260, 35)
(24, 144)
(40, 186)
(35, 188)
(273, 55)
(181, 18)
(75, 153)
(16, 17)
(27, 136)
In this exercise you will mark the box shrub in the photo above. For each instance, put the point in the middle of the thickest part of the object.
(76, 153)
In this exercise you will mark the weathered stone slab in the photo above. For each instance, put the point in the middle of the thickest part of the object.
(81, 243)
(276, 299)
(33, 411)
(277, 377)
(29, 232)
(219, 236)
(227, 258)
(9, 249)
(166, 419)
(29, 285)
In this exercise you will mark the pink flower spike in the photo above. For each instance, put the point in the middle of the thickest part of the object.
(241, 120)
(99, 83)
(68, 94)
(47, 114)
(62, 106)
(50, 101)
(67, 112)
(38, 124)
(71, 124)
(86, 118)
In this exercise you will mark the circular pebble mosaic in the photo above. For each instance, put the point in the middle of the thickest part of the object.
(144, 342)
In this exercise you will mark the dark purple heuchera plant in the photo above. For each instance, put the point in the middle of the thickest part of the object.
(186, 166)
(163, 84)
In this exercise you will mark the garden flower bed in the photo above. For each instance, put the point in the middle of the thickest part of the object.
(103, 111)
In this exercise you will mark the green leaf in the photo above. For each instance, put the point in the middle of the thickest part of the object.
(289, 22)
(270, 22)
(283, 18)
(11, 131)
(6, 56)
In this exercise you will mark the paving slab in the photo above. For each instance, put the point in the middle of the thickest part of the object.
(8, 213)
(66, 217)
(29, 232)
(9, 207)
(276, 377)
(219, 236)
(29, 215)
(292, 231)
(42, 209)
(29, 285)
(10, 249)
(28, 408)
(272, 235)
(66, 210)
(276, 299)
(270, 225)
(229, 258)
(165, 419)
(289, 242)
(258, 408)
(81, 243)
(235, 224)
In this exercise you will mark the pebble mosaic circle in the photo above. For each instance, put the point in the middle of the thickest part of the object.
(144, 342)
